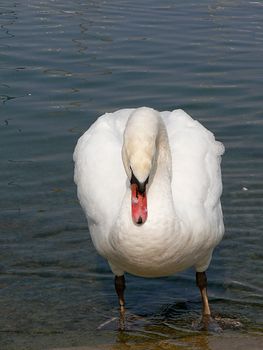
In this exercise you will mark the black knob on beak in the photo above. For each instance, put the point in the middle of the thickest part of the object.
(140, 185)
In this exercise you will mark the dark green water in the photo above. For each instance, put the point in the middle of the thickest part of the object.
(64, 63)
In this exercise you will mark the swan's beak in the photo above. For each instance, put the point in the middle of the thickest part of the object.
(138, 203)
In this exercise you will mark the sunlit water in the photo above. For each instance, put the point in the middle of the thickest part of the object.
(64, 63)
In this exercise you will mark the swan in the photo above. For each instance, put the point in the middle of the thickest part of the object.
(149, 183)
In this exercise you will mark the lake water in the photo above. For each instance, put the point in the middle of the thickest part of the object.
(64, 63)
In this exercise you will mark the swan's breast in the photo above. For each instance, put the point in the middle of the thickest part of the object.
(156, 248)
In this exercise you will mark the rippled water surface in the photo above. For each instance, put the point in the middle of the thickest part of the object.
(64, 63)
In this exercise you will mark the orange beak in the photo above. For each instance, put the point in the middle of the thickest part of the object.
(138, 205)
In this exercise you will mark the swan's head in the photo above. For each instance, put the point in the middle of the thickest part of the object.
(138, 153)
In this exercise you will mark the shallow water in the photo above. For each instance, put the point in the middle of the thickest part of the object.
(62, 65)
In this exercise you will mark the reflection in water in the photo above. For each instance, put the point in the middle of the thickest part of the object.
(155, 340)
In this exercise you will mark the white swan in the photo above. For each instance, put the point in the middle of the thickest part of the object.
(150, 184)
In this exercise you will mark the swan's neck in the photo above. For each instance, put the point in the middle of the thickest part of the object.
(146, 148)
(160, 199)
(162, 166)
(147, 159)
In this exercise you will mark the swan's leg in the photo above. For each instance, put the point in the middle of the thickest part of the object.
(120, 287)
(207, 322)
(201, 282)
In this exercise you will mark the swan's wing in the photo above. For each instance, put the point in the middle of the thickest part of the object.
(99, 172)
(196, 181)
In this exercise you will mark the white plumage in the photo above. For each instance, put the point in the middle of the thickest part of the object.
(182, 160)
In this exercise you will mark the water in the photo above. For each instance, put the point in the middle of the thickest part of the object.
(62, 65)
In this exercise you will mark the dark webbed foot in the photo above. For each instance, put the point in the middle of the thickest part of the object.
(209, 324)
